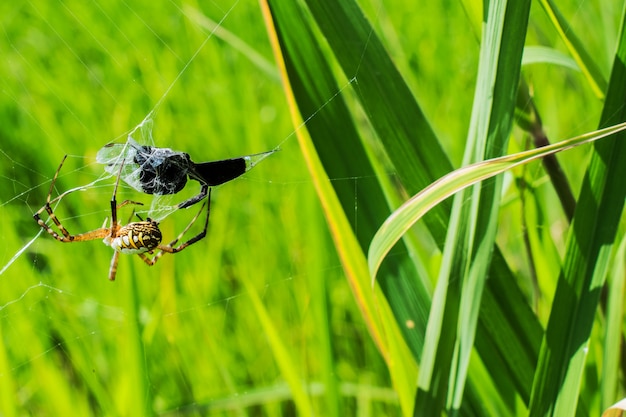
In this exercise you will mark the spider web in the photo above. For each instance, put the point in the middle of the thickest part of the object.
(55, 297)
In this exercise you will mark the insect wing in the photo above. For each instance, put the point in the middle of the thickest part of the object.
(110, 153)
(113, 154)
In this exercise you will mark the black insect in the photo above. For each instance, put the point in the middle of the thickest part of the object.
(162, 171)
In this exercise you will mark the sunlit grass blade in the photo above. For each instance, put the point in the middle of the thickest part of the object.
(512, 315)
(227, 36)
(472, 228)
(387, 98)
(585, 61)
(343, 151)
(345, 240)
(394, 113)
(543, 55)
(410, 212)
(528, 118)
(138, 395)
(7, 399)
(351, 253)
(589, 246)
(281, 354)
(613, 332)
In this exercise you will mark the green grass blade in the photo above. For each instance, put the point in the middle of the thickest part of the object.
(472, 229)
(295, 39)
(346, 240)
(613, 332)
(343, 154)
(221, 32)
(585, 61)
(516, 315)
(8, 405)
(410, 212)
(544, 55)
(139, 400)
(393, 112)
(529, 119)
(557, 381)
(492, 300)
(281, 353)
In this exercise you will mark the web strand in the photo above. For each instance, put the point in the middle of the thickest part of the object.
(316, 112)
(152, 112)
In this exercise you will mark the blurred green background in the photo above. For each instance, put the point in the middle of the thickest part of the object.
(187, 336)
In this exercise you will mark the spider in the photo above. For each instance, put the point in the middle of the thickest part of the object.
(134, 238)
(161, 171)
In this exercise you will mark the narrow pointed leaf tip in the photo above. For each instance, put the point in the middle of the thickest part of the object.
(401, 220)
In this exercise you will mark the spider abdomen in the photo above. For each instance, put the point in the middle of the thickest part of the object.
(137, 237)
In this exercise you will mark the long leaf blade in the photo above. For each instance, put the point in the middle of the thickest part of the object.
(414, 209)
(589, 245)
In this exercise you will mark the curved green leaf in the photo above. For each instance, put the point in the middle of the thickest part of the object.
(410, 212)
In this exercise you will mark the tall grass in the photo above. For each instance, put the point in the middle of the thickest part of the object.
(451, 377)
(274, 312)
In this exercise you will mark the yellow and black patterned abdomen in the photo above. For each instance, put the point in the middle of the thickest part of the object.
(137, 237)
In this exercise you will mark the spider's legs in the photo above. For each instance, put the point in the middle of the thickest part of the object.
(54, 179)
(193, 200)
(114, 198)
(113, 268)
(66, 235)
(125, 202)
(169, 249)
(114, 224)
(194, 239)
(147, 260)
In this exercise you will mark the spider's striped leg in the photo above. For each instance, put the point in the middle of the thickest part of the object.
(195, 199)
(194, 239)
(114, 224)
(113, 268)
(169, 249)
(67, 237)
(126, 202)
(147, 260)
